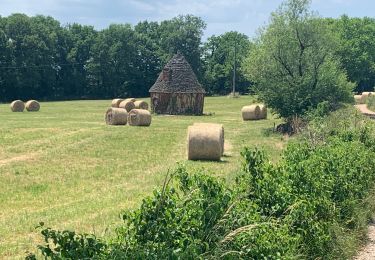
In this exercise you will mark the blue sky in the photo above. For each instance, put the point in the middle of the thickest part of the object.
(245, 16)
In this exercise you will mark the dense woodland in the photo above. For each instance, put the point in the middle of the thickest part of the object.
(42, 59)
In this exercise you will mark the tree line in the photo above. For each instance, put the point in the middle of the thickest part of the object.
(42, 59)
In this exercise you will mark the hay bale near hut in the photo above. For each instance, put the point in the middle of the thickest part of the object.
(116, 116)
(358, 99)
(252, 112)
(140, 104)
(139, 117)
(219, 126)
(128, 105)
(17, 106)
(130, 99)
(32, 106)
(116, 102)
(204, 143)
(177, 90)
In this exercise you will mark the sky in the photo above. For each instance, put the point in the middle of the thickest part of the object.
(245, 16)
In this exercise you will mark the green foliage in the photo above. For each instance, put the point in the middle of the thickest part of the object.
(293, 65)
(356, 49)
(315, 187)
(177, 222)
(69, 245)
(219, 62)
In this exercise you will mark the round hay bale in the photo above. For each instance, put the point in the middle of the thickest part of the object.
(116, 102)
(139, 117)
(130, 99)
(116, 116)
(204, 143)
(251, 112)
(127, 105)
(32, 106)
(140, 104)
(17, 106)
(263, 111)
(221, 128)
(358, 99)
(365, 95)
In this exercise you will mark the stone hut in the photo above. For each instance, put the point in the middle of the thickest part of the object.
(177, 90)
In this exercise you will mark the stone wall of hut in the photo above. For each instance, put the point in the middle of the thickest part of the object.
(177, 103)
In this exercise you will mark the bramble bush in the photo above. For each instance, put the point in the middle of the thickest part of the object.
(298, 208)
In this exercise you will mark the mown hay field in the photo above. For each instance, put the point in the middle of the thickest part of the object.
(64, 166)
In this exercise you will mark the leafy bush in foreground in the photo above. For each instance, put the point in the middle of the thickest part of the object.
(298, 208)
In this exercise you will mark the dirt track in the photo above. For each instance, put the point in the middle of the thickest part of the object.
(368, 251)
(364, 110)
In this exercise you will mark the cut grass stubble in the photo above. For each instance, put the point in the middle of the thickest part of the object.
(83, 173)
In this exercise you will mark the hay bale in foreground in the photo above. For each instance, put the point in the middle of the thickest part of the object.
(365, 95)
(17, 106)
(130, 99)
(32, 106)
(127, 105)
(251, 112)
(221, 128)
(140, 104)
(116, 116)
(139, 117)
(116, 102)
(204, 143)
(358, 99)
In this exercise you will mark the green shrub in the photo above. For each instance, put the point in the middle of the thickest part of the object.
(69, 245)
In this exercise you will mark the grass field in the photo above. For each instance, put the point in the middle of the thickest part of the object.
(65, 167)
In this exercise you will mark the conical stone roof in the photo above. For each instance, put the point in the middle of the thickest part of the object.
(177, 77)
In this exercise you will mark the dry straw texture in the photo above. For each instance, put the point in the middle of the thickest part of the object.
(116, 116)
(358, 99)
(116, 102)
(204, 143)
(32, 106)
(252, 112)
(17, 106)
(141, 105)
(263, 111)
(221, 128)
(128, 105)
(130, 99)
(139, 117)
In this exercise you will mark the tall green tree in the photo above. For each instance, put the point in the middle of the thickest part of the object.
(293, 63)
(74, 51)
(31, 46)
(220, 53)
(112, 68)
(184, 34)
(357, 49)
(148, 62)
